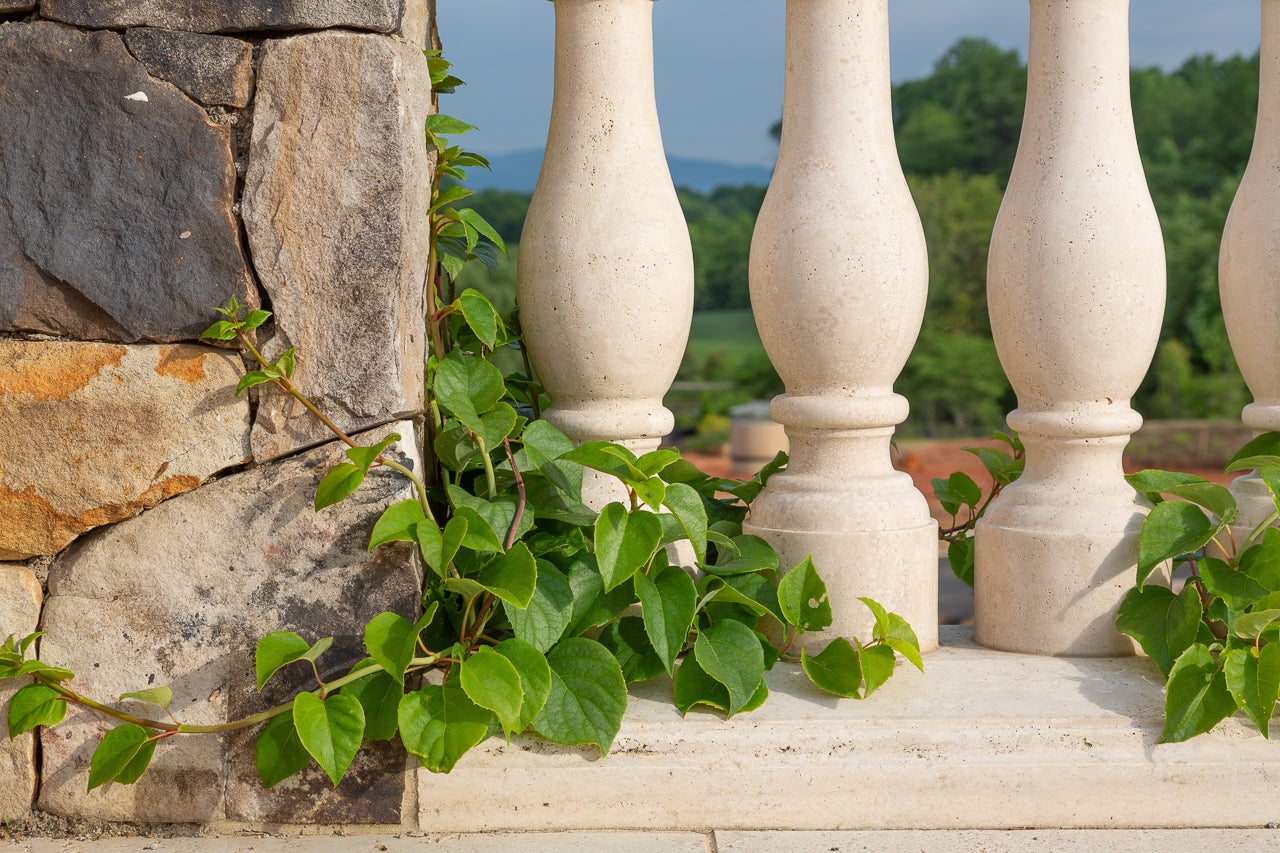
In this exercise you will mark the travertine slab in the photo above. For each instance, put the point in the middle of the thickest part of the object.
(20, 599)
(982, 739)
(180, 595)
(94, 433)
(335, 205)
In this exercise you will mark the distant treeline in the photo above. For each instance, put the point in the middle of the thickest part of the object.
(957, 132)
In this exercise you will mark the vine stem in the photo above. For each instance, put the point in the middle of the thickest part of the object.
(288, 386)
(1261, 528)
(242, 723)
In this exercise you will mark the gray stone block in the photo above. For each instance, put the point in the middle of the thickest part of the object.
(335, 205)
(119, 193)
(180, 595)
(214, 70)
(201, 16)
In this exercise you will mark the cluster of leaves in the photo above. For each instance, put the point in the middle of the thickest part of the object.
(1216, 638)
(962, 499)
(537, 610)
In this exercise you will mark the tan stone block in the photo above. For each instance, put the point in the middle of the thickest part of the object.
(94, 433)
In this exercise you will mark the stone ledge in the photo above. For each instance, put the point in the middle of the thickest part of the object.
(983, 740)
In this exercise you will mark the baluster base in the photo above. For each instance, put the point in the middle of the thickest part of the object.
(1057, 552)
(896, 568)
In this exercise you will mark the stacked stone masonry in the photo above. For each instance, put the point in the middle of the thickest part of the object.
(161, 158)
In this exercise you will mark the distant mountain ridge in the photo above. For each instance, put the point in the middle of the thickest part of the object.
(518, 171)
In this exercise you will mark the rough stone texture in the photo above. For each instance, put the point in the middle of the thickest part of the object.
(93, 433)
(7, 6)
(202, 16)
(118, 191)
(211, 69)
(417, 23)
(179, 596)
(19, 614)
(335, 202)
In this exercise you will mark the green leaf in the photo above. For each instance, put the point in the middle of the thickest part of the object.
(254, 319)
(652, 492)
(494, 516)
(1172, 529)
(330, 729)
(447, 125)
(1233, 586)
(1263, 451)
(838, 669)
(1002, 467)
(468, 386)
(803, 598)
(122, 756)
(250, 379)
(693, 686)
(456, 449)
(877, 667)
(588, 695)
(1154, 482)
(753, 555)
(1262, 561)
(397, 523)
(1164, 624)
(440, 724)
(543, 622)
(492, 682)
(592, 606)
(729, 652)
(1251, 625)
(959, 490)
(609, 459)
(479, 312)
(960, 557)
(543, 445)
(535, 678)
(892, 630)
(627, 640)
(478, 222)
(512, 577)
(686, 505)
(439, 548)
(379, 695)
(754, 591)
(625, 541)
(363, 457)
(285, 363)
(276, 650)
(392, 640)
(221, 331)
(35, 705)
(1253, 677)
(1196, 697)
(1216, 499)
(49, 673)
(496, 424)
(669, 603)
(159, 696)
(278, 752)
(340, 482)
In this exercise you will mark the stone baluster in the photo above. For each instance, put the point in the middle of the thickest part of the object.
(839, 276)
(1076, 285)
(1249, 274)
(606, 269)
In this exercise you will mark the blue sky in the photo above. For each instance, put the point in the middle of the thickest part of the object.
(719, 62)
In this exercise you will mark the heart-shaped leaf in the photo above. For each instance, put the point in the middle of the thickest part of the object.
(729, 652)
(535, 678)
(439, 724)
(330, 729)
(122, 756)
(492, 682)
(588, 695)
(624, 542)
(278, 752)
(669, 603)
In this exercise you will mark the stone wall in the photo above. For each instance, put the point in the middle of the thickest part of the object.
(160, 158)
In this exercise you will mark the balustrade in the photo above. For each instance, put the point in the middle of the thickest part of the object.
(838, 284)
(1076, 282)
(1249, 274)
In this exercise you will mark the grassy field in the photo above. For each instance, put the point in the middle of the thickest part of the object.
(732, 333)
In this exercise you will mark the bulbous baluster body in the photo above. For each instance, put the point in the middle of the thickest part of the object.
(1249, 273)
(839, 277)
(606, 270)
(1076, 285)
